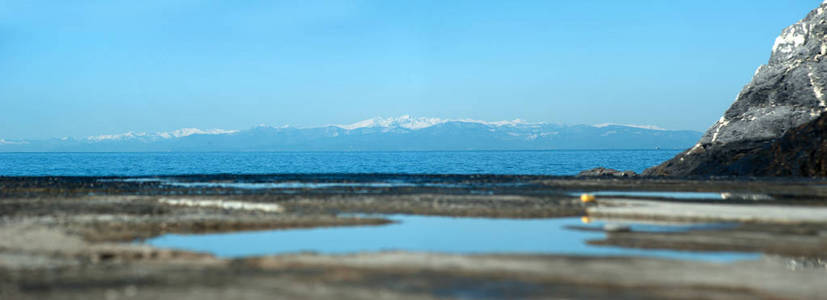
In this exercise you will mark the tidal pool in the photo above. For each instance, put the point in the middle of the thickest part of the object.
(684, 195)
(437, 234)
(672, 195)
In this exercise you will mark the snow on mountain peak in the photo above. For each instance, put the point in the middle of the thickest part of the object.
(119, 136)
(190, 131)
(7, 142)
(165, 135)
(514, 122)
(405, 121)
(415, 123)
(650, 127)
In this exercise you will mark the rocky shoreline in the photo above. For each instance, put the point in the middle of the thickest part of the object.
(71, 238)
(80, 237)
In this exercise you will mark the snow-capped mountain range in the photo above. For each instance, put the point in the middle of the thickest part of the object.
(403, 133)
(412, 123)
(132, 135)
(159, 135)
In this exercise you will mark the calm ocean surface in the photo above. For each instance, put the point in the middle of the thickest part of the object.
(557, 162)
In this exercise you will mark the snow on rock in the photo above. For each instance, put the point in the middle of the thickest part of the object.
(785, 93)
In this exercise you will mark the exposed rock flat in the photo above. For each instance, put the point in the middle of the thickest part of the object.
(72, 246)
(710, 212)
(400, 275)
(606, 172)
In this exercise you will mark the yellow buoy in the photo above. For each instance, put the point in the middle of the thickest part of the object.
(586, 198)
(585, 220)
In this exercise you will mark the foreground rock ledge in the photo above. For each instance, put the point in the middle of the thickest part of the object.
(80, 247)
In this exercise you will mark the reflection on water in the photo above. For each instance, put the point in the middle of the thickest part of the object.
(685, 195)
(673, 195)
(437, 234)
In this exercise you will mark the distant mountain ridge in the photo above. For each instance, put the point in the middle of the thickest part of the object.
(377, 134)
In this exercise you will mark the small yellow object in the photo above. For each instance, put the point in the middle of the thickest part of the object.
(586, 198)
(585, 220)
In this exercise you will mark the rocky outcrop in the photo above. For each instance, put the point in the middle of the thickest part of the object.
(787, 92)
(601, 172)
(801, 151)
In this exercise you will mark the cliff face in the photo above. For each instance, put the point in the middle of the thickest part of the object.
(801, 151)
(787, 92)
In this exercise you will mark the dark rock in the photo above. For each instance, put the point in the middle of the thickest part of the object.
(606, 172)
(802, 151)
(611, 227)
(787, 92)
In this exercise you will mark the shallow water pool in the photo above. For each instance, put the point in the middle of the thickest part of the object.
(684, 195)
(437, 234)
(671, 195)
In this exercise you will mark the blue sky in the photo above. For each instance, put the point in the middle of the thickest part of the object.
(77, 68)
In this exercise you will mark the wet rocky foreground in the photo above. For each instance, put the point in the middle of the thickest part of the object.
(79, 237)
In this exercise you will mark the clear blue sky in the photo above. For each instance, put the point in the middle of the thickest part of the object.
(77, 68)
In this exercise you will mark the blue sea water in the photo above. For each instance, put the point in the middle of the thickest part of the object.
(438, 234)
(556, 162)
